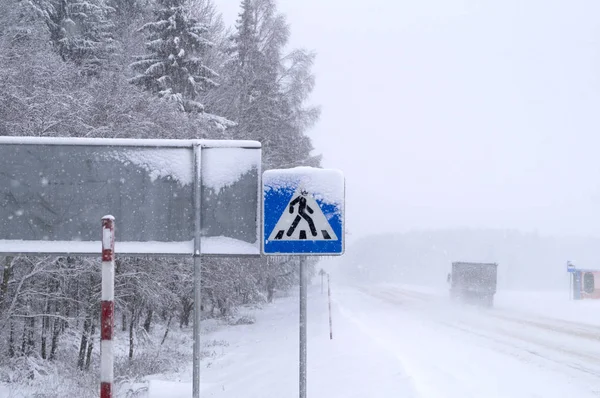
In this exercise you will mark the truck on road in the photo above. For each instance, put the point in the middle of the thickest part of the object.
(473, 283)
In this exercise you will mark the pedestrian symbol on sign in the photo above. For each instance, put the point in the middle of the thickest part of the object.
(302, 206)
(301, 216)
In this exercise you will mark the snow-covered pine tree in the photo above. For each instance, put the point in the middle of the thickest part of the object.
(250, 84)
(296, 83)
(80, 30)
(265, 91)
(129, 8)
(174, 67)
(245, 56)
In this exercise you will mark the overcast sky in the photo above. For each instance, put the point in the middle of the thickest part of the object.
(454, 113)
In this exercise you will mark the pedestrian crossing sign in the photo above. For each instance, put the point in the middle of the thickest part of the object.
(303, 211)
(303, 207)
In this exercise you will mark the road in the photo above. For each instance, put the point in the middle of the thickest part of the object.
(400, 342)
(449, 350)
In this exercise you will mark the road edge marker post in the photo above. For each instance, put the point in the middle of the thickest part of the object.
(329, 296)
(107, 307)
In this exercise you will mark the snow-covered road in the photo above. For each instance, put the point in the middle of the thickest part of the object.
(392, 341)
(455, 351)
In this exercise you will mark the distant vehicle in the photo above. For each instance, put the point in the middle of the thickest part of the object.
(473, 282)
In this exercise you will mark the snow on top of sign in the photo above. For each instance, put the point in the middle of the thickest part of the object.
(229, 144)
(210, 245)
(173, 162)
(90, 247)
(224, 166)
(326, 185)
(225, 245)
(130, 142)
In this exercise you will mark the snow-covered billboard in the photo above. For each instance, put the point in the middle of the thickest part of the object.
(54, 191)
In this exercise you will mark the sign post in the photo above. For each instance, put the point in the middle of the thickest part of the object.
(329, 301)
(303, 215)
(322, 273)
(303, 320)
(197, 273)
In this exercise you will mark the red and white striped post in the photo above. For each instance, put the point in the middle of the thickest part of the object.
(329, 297)
(107, 320)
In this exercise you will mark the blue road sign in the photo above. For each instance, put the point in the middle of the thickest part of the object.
(303, 210)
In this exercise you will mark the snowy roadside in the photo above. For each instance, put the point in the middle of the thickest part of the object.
(261, 360)
(389, 341)
(170, 360)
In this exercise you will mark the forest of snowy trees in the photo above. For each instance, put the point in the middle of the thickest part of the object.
(142, 69)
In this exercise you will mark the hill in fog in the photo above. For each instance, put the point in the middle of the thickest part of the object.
(526, 260)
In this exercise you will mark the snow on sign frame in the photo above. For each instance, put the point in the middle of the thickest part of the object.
(303, 210)
(54, 191)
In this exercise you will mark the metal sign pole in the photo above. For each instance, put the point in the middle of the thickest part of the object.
(321, 281)
(197, 313)
(197, 272)
(329, 299)
(303, 295)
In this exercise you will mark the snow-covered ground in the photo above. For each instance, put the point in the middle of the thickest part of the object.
(261, 360)
(530, 345)
(394, 341)
(399, 341)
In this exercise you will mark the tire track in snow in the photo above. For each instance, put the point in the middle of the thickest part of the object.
(416, 371)
(568, 328)
(475, 322)
(555, 325)
(397, 296)
(498, 338)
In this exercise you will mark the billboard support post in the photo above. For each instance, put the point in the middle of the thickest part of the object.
(197, 269)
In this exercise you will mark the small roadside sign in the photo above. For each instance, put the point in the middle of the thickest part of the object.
(303, 212)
